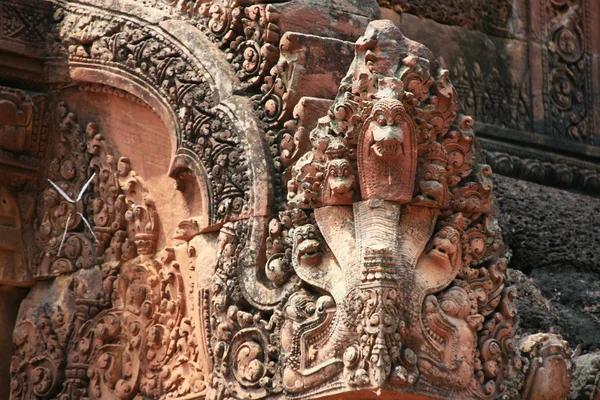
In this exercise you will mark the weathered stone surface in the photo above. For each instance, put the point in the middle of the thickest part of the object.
(10, 299)
(339, 19)
(496, 17)
(489, 73)
(13, 263)
(240, 200)
(23, 135)
(553, 236)
(536, 312)
(546, 227)
(586, 377)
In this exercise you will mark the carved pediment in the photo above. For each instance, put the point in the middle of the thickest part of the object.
(389, 254)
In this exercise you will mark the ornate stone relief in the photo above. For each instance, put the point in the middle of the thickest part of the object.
(488, 99)
(247, 33)
(535, 91)
(125, 327)
(568, 86)
(384, 270)
(24, 23)
(387, 265)
(24, 119)
(206, 132)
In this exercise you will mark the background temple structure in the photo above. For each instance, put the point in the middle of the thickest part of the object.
(301, 199)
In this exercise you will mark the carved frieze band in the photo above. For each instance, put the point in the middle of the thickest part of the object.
(568, 174)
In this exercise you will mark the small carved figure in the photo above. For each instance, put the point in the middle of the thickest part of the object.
(387, 152)
(340, 183)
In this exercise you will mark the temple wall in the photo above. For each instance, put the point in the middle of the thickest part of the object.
(198, 204)
(503, 57)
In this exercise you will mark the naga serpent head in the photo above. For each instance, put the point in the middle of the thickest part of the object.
(306, 246)
(388, 127)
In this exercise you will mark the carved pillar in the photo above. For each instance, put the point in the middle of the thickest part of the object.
(14, 275)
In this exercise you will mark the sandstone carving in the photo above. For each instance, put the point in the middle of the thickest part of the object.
(24, 120)
(13, 268)
(388, 251)
(329, 248)
(134, 335)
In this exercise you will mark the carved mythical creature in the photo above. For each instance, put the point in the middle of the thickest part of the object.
(340, 182)
(386, 270)
(386, 152)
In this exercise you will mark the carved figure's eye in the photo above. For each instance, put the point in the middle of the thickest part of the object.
(381, 120)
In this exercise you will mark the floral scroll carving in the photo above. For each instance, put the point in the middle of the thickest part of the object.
(248, 34)
(37, 368)
(388, 258)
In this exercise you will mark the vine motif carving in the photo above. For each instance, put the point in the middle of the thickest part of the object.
(37, 367)
(59, 221)
(143, 344)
